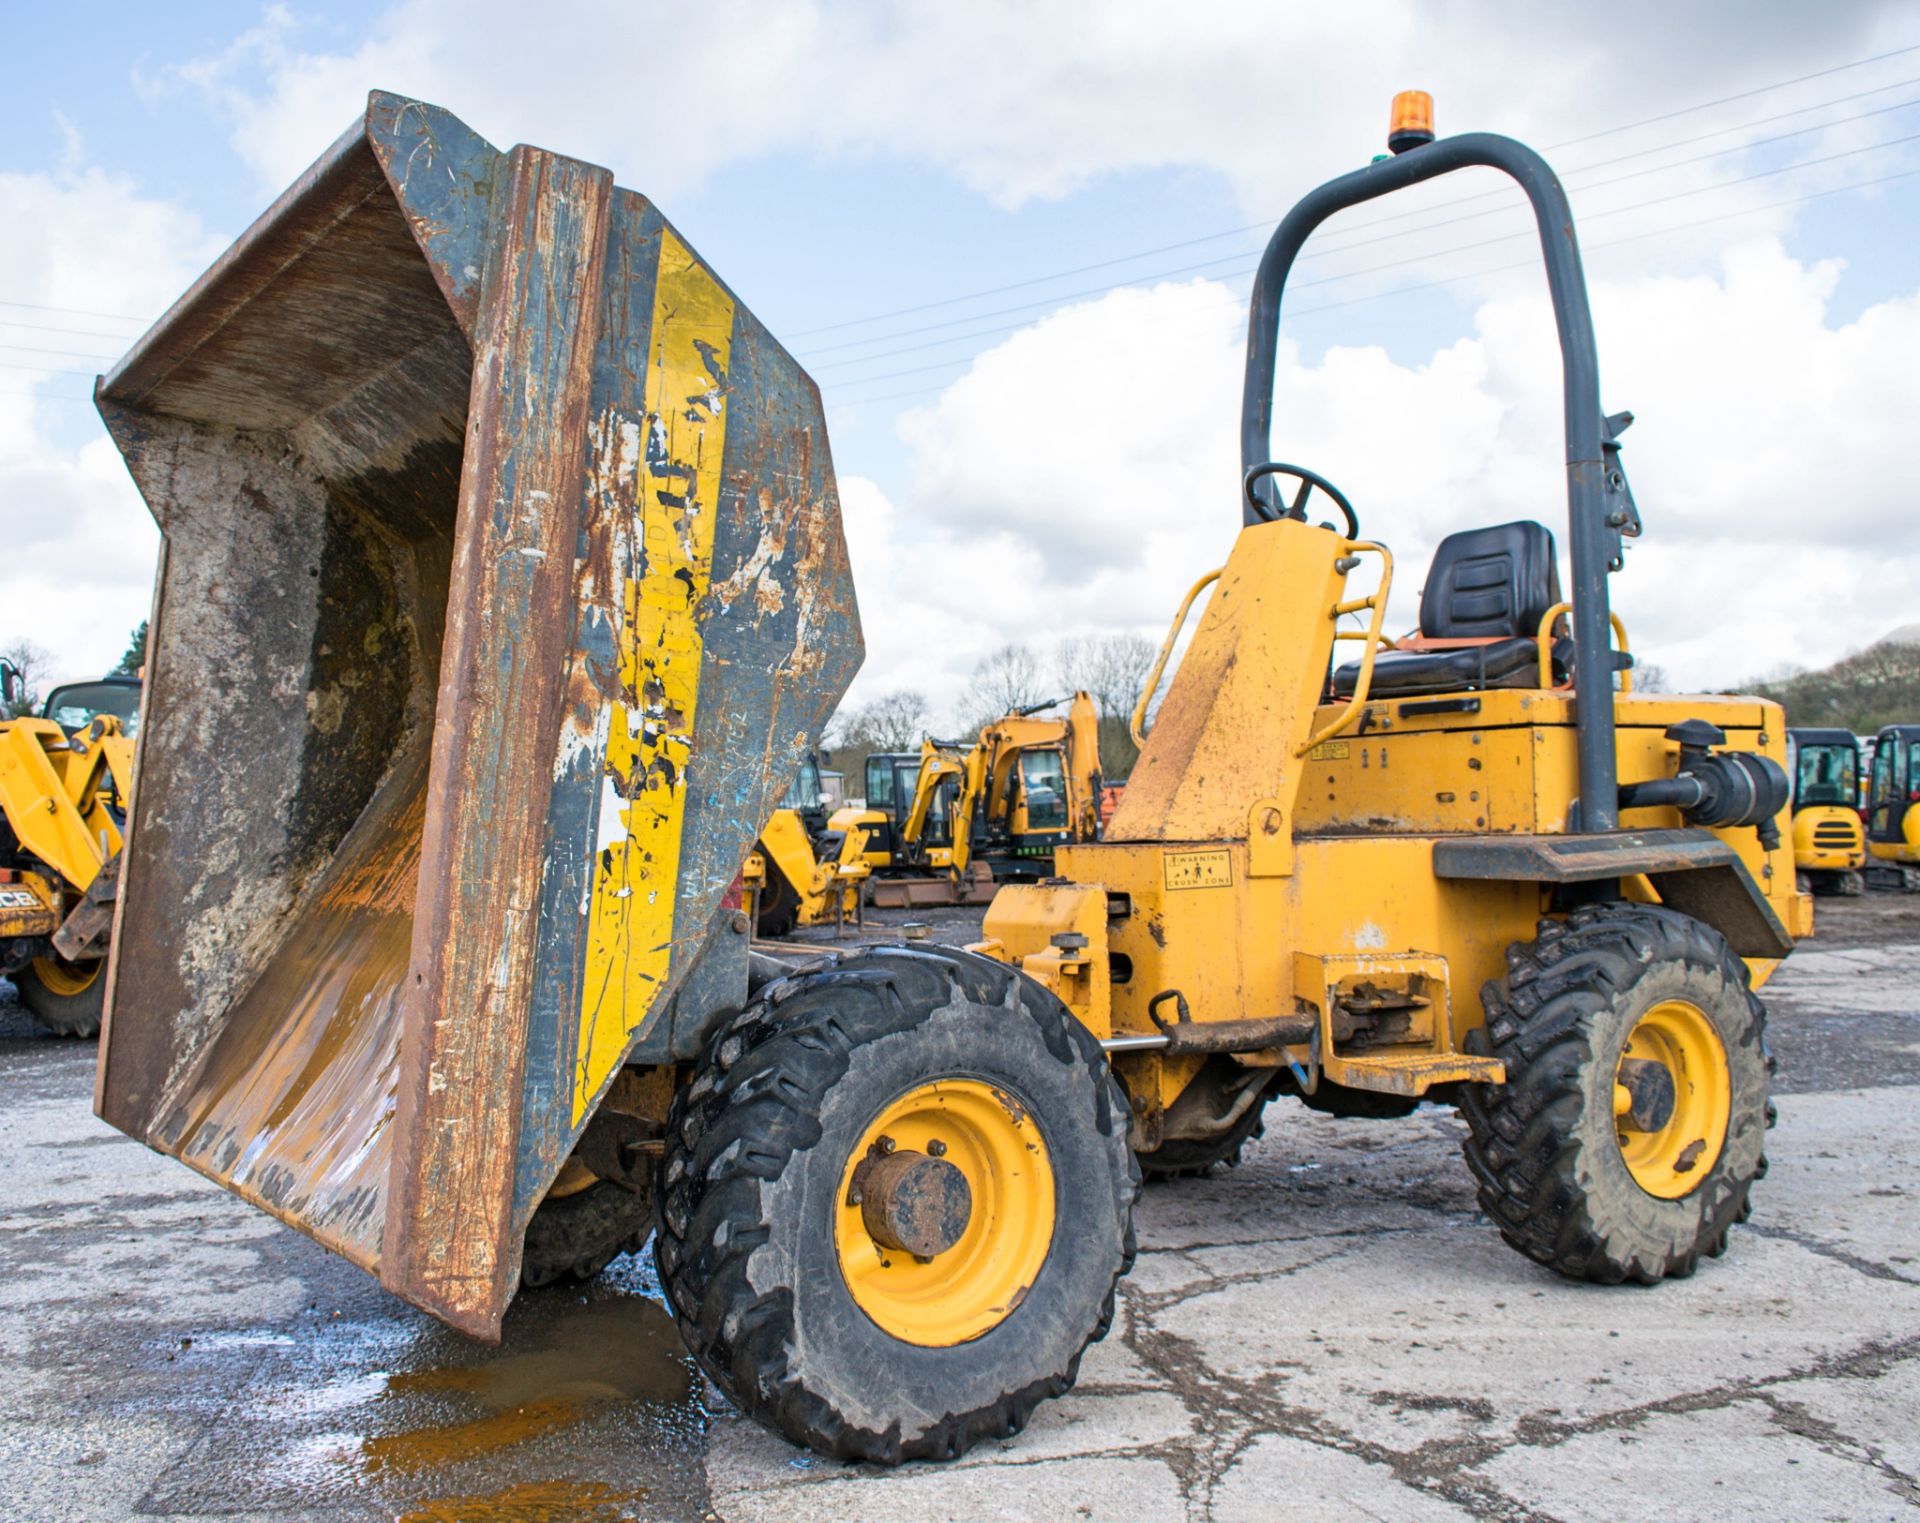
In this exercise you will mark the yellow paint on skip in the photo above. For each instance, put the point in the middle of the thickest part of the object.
(629, 939)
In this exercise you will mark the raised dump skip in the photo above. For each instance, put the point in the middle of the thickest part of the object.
(503, 589)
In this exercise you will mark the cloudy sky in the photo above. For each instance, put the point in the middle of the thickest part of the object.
(1012, 242)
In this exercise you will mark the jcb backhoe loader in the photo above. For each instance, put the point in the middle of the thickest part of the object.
(66, 777)
(536, 556)
(794, 877)
(960, 818)
(1829, 839)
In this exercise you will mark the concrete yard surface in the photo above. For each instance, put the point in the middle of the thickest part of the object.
(1330, 1331)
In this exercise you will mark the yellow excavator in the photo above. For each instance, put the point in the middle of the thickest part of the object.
(945, 825)
(66, 781)
(1829, 838)
(1893, 810)
(451, 975)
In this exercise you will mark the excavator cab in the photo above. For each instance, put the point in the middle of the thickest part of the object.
(1829, 839)
(1893, 810)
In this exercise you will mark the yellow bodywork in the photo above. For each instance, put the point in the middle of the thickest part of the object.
(1906, 850)
(1828, 838)
(1273, 856)
(59, 796)
(676, 486)
(827, 889)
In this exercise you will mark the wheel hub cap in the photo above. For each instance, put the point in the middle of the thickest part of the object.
(912, 1202)
(1672, 1096)
(946, 1212)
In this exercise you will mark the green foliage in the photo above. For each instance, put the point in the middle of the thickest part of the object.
(136, 656)
(1877, 686)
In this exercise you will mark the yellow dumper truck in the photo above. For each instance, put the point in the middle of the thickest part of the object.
(507, 539)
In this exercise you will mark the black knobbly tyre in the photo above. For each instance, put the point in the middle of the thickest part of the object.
(896, 1200)
(777, 909)
(572, 1237)
(1633, 1120)
(68, 998)
(1196, 1157)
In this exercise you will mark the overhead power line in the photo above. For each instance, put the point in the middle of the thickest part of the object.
(1430, 285)
(1420, 258)
(1858, 63)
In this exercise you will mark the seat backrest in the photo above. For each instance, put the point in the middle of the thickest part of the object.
(1496, 582)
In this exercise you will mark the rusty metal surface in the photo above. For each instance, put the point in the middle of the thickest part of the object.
(404, 442)
(508, 626)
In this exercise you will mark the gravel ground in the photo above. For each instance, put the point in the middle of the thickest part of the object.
(1330, 1331)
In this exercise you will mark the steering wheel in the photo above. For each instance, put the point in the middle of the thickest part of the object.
(1298, 507)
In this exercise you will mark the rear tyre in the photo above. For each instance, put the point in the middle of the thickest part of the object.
(951, 1067)
(67, 997)
(1633, 1120)
(573, 1237)
(1196, 1157)
(777, 909)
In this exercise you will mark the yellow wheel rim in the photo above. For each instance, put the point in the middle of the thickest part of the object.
(1671, 1159)
(66, 978)
(974, 1285)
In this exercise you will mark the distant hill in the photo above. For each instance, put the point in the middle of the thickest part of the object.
(1873, 687)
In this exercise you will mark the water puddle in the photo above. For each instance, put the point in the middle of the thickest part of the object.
(589, 1412)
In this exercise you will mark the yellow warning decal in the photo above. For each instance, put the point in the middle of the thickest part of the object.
(642, 804)
(1199, 869)
(1330, 750)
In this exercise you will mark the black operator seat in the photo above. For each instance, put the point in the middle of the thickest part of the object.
(1491, 585)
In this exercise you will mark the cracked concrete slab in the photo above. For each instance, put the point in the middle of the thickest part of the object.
(1330, 1331)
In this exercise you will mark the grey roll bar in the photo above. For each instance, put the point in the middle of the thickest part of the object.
(1599, 505)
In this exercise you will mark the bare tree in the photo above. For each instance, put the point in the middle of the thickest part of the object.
(31, 661)
(1003, 681)
(894, 721)
(1112, 669)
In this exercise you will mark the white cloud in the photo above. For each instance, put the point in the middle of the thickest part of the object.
(77, 574)
(1015, 100)
(1099, 447)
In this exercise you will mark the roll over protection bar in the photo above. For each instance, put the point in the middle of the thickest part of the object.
(1599, 505)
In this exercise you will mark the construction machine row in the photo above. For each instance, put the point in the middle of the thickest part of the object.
(504, 592)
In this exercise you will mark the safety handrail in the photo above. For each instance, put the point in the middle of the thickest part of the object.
(1545, 638)
(1363, 684)
(1136, 727)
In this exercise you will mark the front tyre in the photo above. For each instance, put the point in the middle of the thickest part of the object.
(1632, 1123)
(896, 1200)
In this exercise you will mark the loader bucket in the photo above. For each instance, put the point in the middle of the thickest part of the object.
(502, 590)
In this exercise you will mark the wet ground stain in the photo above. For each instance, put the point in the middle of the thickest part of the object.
(535, 1502)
